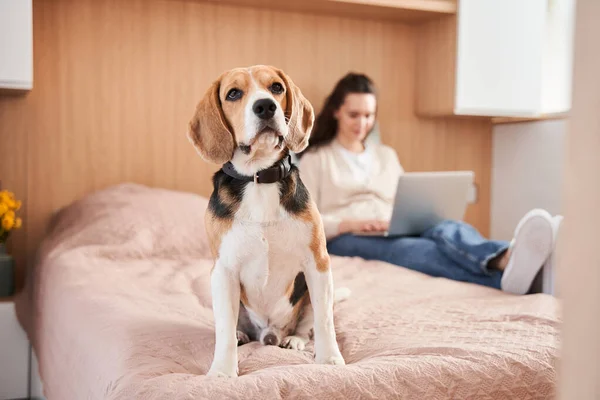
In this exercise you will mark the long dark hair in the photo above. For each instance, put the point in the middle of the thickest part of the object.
(326, 124)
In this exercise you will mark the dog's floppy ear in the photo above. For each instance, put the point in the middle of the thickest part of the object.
(301, 116)
(209, 131)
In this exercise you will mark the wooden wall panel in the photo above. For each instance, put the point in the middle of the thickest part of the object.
(436, 60)
(14, 167)
(116, 83)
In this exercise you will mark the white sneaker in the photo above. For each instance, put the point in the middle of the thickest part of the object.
(529, 250)
(549, 271)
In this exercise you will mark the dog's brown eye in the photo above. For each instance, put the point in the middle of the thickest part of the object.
(234, 94)
(276, 88)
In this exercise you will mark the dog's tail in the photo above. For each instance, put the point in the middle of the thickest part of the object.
(341, 294)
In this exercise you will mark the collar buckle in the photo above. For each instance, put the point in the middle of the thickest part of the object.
(256, 177)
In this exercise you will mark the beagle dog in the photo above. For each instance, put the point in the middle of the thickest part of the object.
(271, 280)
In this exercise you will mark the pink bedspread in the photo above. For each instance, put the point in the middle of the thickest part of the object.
(121, 310)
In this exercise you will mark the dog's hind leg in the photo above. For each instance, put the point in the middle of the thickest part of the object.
(242, 338)
(304, 329)
(246, 331)
(301, 335)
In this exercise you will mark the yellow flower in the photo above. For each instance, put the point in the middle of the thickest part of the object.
(18, 223)
(8, 221)
(3, 209)
(8, 199)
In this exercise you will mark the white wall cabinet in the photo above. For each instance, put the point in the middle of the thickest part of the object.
(514, 57)
(498, 58)
(16, 44)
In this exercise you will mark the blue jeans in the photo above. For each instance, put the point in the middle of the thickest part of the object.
(451, 249)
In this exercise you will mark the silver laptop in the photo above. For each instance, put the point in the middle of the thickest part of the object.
(424, 199)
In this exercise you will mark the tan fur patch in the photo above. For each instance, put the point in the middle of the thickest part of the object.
(290, 289)
(234, 110)
(297, 314)
(243, 295)
(318, 243)
(319, 249)
(208, 129)
(288, 195)
(215, 229)
(300, 114)
(225, 196)
(299, 306)
(265, 76)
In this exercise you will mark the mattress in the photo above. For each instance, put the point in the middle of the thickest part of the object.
(118, 307)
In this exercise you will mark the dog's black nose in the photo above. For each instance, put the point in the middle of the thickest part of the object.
(264, 108)
(270, 339)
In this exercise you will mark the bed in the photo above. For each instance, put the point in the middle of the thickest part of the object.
(118, 307)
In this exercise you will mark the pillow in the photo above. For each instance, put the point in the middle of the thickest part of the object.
(131, 220)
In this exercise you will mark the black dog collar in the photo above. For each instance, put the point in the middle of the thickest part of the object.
(277, 172)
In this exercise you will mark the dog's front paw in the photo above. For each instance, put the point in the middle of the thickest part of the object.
(294, 342)
(330, 359)
(222, 372)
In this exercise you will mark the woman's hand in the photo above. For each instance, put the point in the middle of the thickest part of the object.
(358, 226)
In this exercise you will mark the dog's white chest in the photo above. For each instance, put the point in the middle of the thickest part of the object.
(261, 203)
(268, 247)
(263, 228)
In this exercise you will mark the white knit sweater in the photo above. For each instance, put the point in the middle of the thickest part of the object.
(340, 194)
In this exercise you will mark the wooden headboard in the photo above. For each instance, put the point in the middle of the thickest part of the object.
(115, 84)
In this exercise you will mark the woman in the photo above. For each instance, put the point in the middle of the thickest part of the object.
(354, 183)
